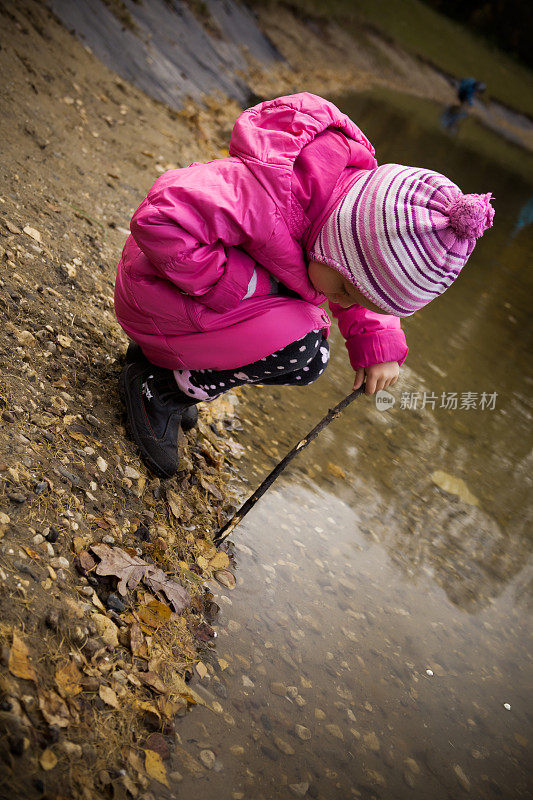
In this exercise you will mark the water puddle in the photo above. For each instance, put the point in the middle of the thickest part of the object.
(377, 642)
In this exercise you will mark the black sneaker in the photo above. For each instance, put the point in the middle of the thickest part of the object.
(189, 418)
(155, 406)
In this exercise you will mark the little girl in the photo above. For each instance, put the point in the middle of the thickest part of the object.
(228, 263)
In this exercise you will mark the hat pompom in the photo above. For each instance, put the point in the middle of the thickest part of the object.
(470, 215)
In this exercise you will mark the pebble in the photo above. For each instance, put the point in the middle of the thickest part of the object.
(236, 750)
(411, 764)
(507, 706)
(114, 602)
(429, 672)
(278, 688)
(302, 732)
(225, 577)
(108, 539)
(38, 538)
(299, 789)
(101, 463)
(132, 473)
(283, 746)
(461, 777)
(319, 714)
(59, 563)
(269, 753)
(335, 731)
(207, 757)
(371, 741)
(249, 684)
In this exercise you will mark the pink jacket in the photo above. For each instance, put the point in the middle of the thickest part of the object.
(198, 235)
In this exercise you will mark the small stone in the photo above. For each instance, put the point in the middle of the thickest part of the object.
(52, 535)
(129, 472)
(299, 789)
(461, 777)
(101, 464)
(269, 753)
(409, 778)
(335, 731)
(302, 733)
(71, 749)
(115, 603)
(300, 701)
(59, 563)
(278, 689)
(207, 757)
(38, 538)
(283, 746)
(371, 741)
(225, 577)
(247, 683)
(236, 750)
(108, 539)
(507, 706)
(429, 672)
(292, 691)
(319, 714)
(411, 764)
(5, 519)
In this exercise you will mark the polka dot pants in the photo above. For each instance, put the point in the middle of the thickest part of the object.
(298, 364)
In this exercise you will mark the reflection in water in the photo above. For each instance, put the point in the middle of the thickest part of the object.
(377, 642)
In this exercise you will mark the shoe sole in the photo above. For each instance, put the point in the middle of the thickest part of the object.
(148, 460)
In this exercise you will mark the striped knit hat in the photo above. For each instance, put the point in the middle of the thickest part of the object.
(402, 235)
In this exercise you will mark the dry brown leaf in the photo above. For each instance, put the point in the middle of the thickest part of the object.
(220, 561)
(48, 759)
(154, 681)
(174, 502)
(19, 664)
(136, 639)
(154, 767)
(68, 678)
(131, 570)
(53, 708)
(154, 613)
(201, 669)
(108, 696)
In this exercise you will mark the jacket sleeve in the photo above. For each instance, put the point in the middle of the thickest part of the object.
(193, 225)
(370, 338)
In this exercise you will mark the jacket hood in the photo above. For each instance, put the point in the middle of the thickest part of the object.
(297, 146)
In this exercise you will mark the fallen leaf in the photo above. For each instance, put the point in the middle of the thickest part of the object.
(106, 629)
(130, 570)
(32, 233)
(48, 759)
(220, 561)
(19, 664)
(154, 681)
(154, 767)
(108, 696)
(453, 485)
(211, 488)
(174, 502)
(53, 708)
(201, 669)
(68, 680)
(154, 613)
(136, 639)
(30, 552)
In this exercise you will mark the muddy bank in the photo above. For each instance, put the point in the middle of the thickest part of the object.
(90, 676)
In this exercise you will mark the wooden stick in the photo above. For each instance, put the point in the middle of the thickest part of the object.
(231, 524)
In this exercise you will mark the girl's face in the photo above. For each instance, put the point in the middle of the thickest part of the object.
(337, 289)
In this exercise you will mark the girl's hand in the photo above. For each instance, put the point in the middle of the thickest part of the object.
(378, 376)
